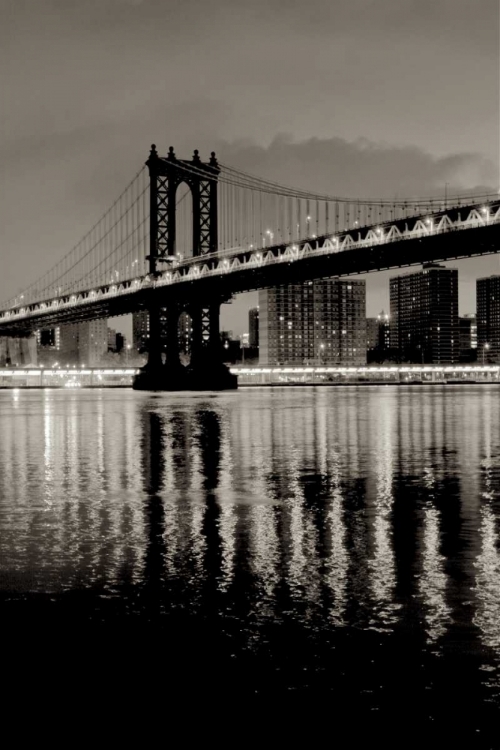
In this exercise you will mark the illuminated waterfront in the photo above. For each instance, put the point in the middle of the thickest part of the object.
(79, 377)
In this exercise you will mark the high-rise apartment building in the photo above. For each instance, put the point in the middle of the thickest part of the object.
(377, 337)
(371, 333)
(68, 346)
(424, 324)
(48, 344)
(384, 331)
(468, 338)
(48, 338)
(16, 352)
(253, 327)
(83, 343)
(488, 319)
(316, 322)
(140, 330)
(111, 340)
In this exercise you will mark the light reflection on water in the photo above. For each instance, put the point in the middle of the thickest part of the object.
(375, 508)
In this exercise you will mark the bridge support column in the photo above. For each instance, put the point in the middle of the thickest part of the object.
(207, 372)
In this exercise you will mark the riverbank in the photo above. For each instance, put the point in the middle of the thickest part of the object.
(276, 376)
(370, 383)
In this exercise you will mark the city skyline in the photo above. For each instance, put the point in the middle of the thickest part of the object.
(351, 146)
(377, 290)
(295, 310)
(234, 315)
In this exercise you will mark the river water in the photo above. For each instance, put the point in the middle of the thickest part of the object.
(331, 541)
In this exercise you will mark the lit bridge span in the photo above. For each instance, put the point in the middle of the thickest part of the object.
(188, 235)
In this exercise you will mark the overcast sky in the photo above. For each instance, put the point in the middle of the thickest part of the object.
(372, 98)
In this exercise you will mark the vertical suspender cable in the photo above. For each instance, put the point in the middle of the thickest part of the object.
(260, 216)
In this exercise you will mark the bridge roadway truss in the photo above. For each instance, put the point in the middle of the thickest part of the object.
(437, 238)
(200, 284)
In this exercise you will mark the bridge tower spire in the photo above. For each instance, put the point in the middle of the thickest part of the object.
(164, 370)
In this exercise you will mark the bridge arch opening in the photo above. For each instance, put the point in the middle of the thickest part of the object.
(184, 221)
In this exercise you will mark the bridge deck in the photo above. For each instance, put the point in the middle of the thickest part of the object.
(450, 235)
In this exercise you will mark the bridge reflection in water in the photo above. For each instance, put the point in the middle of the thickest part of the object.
(307, 539)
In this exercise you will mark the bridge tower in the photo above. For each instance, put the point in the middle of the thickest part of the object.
(164, 370)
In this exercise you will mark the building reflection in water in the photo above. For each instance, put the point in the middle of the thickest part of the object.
(373, 507)
(382, 565)
(338, 557)
(227, 509)
(433, 580)
(263, 520)
(487, 563)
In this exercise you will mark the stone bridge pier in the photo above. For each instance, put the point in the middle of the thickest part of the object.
(206, 369)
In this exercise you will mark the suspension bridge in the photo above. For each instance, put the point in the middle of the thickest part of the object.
(187, 235)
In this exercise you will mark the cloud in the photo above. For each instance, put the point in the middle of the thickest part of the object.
(360, 168)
